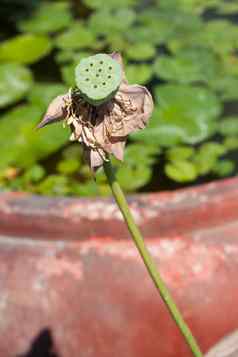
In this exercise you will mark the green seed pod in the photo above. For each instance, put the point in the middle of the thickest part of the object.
(98, 78)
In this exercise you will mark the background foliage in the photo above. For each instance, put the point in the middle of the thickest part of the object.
(185, 51)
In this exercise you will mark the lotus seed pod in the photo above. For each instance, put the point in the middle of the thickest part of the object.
(98, 78)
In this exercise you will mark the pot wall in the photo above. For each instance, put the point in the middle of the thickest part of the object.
(71, 279)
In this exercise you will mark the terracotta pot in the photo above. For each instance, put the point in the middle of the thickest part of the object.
(72, 282)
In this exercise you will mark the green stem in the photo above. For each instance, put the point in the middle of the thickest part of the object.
(148, 260)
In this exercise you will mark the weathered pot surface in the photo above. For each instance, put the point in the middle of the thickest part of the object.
(72, 281)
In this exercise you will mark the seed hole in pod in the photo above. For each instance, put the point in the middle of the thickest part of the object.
(91, 64)
(97, 75)
(86, 69)
(100, 70)
(104, 83)
(87, 79)
(95, 86)
(101, 62)
(110, 68)
(109, 77)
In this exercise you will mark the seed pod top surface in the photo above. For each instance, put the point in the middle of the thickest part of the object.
(98, 78)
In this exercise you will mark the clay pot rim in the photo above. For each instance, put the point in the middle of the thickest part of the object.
(158, 214)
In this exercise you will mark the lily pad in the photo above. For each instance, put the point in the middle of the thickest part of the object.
(220, 32)
(180, 153)
(54, 185)
(207, 157)
(21, 144)
(184, 114)
(219, 35)
(228, 126)
(15, 82)
(68, 74)
(148, 154)
(76, 37)
(34, 174)
(144, 34)
(43, 93)
(106, 22)
(227, 7)
(192, 6)
(49, 17)
(68, 166)
(181, 171)
(226, 87)
(26, 49)
(231, 142)
(230, 63)
(171, 25)
(133, 177)
(224, 168)
(117, 42)
(68, 56)
(140, 74)
(188, 65)
(141, 51)
(109, 4)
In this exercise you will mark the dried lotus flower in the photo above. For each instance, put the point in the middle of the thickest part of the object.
(103, 110)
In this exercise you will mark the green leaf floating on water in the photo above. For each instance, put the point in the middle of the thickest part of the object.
(180, 153)
(207, 157)
(49, 17)
(147, 154)
(117, 41)
(188, 65)
(181, 171)
(106, 22)
(133, 177)
(67, 73)
(224, 168)
(228, 126)
(141, 51)
(25, 145)
(231, 142)
(68, 70)
(159, 27)
(109, 4)
(184, 114)
(140, 73)
(135, 173)
(34, 174)
(146, 34)
(226, 87)
(43, 93)
(227, 7)
(54, 185)
(192, 6)
(15, 82)
(25, 49)
(76, 37)
(68, 166)
(219, 35)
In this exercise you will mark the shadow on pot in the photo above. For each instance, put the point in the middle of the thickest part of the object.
(42, 345)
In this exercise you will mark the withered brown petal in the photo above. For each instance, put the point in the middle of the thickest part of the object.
(117, 57)
(55, 111)
(142, 103)
(93, 158)
(117, 149)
